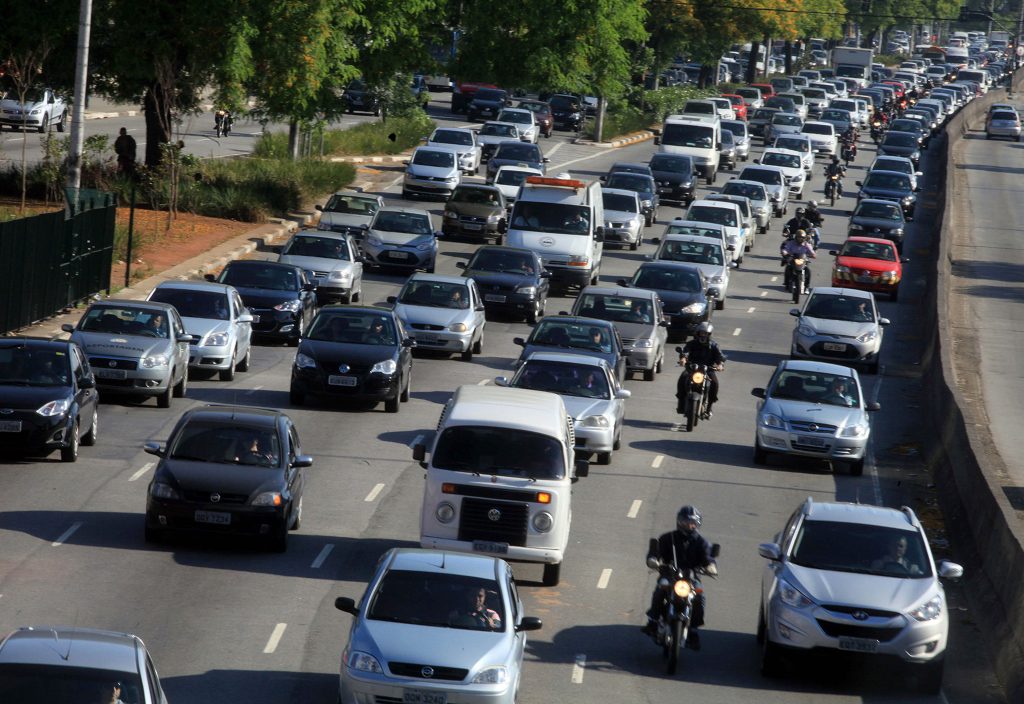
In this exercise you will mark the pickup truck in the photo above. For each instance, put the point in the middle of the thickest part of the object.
(42, 108)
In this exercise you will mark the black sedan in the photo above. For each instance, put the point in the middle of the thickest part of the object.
(683, 292)
(892, 186)
(912, 126)
(675, 176)
(228, 470)
(487, 103)
(361, 354)
(510, 280)
(576, 335)
(279, 296)
(48, 398)
(878, 218)
(901, 144)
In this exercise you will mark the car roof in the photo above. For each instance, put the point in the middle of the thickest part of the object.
(443, 562)
(438, 278)
(840, 291)
(125, 303)
(842, 512)
(746, 182)
(326, 234)
(629, 165)
(807, 365)
(625, 292)
(477, 187)
(241, 415)
(212, 285)
(889, 173)
(779, 150)
(77, 647)
(505, 248)
(452, 129)
(34, 342)
(525, 409)
(567, 357)
(620, 191)
(698, 223)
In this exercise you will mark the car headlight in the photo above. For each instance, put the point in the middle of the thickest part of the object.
(805, 330)
(595, 422)
(161, 490)
(542, 522)
(154, 361)
(645, 203)
(928, 611)
(770, 420)
(304, 361)
(854, 227)
(445, 512)
(579, 260)
(574, 116)
(869, 336)
(388, 366)
(217, 339)
(451, 215)
(340, 275)
(856, 430)
(54, 408)
(717, 279)
(364, 662)
(840, 269)
(888, 275)
(268, 498)
(527, 290)
(452, 179)
(373, 241)
(36, 111)
(493, 219)
(694, 308)
(457, 327)
(645, 343)
(497, 674)
(791, 596)
(424, 244)
(289, 306)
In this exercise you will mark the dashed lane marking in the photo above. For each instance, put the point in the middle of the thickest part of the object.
(142, 470)
(253, 390)
(319, 561)
(763, 294)
(656, 462)
(606, 575)
(634, 509)
(751, 309)
(67, 534)
(275, 638)
(774, 279)
(577, 669)
(374, 492)
(483, 382)
(736, 332)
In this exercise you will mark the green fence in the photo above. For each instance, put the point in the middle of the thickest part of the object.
(51, 261)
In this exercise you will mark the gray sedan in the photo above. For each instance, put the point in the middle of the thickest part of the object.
(331, 259)
(639, 319)
(443, 313)
(348, 211)
(841, 325)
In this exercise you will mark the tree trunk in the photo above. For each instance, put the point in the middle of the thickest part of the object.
(599, 119)
(154, 104)
(751, 73)
(293, 139)
(767, 44)
(789, 57)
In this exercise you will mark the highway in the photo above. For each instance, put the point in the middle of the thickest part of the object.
(230, 623)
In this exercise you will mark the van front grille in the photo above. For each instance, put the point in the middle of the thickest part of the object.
(496, 521)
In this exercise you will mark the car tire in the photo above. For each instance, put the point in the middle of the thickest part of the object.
(895, 295)
(467, 354)
(719, 303)
(279, 540)
(391, 404)
(181, 388)
(70, 453)
(243, 363)
(760, 456)
(536, 314)
(164, 399)
(404, 398)
(89, 438)
(636, 245)
(152, 535)
(603, 458)
(294, 341)
(856, 467)
(772, 662)
(297, 515)
(761, 627)
(229, 373)
(649, 374)
(295, 397)
(44, 124)
(552, 574)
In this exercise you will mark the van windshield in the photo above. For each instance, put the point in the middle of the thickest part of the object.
(505, 452)
(557, 218)
(680, 135)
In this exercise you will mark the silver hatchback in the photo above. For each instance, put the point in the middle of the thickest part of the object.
(637, 315)
(331, 259)
(839, 325)
(442, 313)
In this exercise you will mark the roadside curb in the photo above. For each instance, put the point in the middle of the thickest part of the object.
(634, 138)
(386, 159)
(108, 115)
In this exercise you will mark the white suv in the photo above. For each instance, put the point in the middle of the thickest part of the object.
(856, 578)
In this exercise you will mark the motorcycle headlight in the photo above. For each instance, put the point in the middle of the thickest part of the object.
(445, 512)
(856, 430)
(542, 522)
(154, 361)
(304, 361)
(595, 422)
(869, 336)
(805, 330)
(161, 490)
(54, 408)
(497, 674)
(697, 378)
(268, 498)
(364, 662)
(682, 588)
(217, 339)
(644, 343)
(928, 611)
(388, 366)
(527, 290)
(791, 596)
(289, 306)
(694, 308)
(770, 420)
(645, 203)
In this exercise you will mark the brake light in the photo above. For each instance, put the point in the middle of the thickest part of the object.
(562, 182)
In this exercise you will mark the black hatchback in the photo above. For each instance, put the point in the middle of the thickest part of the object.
(683, 292)
(48, 398)
(510, 280)
(280, 297)
(675, 176)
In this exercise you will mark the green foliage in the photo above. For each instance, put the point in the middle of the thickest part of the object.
(623, 117)
(362, 139)
(890, 59)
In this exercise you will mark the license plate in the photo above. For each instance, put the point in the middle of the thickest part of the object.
(10, 426)
(472, 226)
(834, 347)
(865, 279)
(425, 337)
(335, 380)
(418, 696)
(859, 645)
(398, 255)
(494, 298)
(665, 190)
(811, 442)
(219, 518)
(110, 373)
(487, 546)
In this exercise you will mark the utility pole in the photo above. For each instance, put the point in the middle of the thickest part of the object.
(74, 180)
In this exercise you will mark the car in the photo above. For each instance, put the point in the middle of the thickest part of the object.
(644, 186)
(54, 663)
(892, 186)
(420, 90)
(727, 150)
(741, 137)
(927, 116)
(629, 168)
(783, 123)
(774, 180)
(706, 253)
(798, 143)
(703, 106)
(760, 120)
(729, 216)
(358, 353)
(779, 84)
(508, 180)
(767, 90)
(218, 321)
(792, 167)
(841, 120)
(49, 397)
(541, 110)
(817, 99)
(330, 259)
(463, 142)
(136, 348)
(524, 119)
(411, 638)
(637, 315)
(347, 211)
(824, 138)
(510, 279)
(752, 97)
(854, 105)
(1003, 123)
(401, 238)
(857, 580)
(475, 211)
(839, 324)
(797, 417)
(431, 172)
(724, 108)
(884, 219)
(228, 470)
(800, 103)
(463, 93)
(739, 106)
(624, 217)
(521, 154)
(493, 133)
(566, 111)
(760, 203)
(901, 144)
(748, 224)
(686, 299)
(868, 264)
(280, 297)
(42, 108)
(899, 164)
(487, 103)
(358, 96)
(576, 335)
(590, 391)
(442, 313)
(676, 177)
(912, 126)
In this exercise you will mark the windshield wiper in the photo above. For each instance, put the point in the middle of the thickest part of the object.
(190, 458)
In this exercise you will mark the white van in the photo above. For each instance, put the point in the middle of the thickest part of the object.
(697, 136)
(499, 478)
(562, 219)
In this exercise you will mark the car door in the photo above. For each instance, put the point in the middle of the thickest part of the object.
(307, 296)
(243, 331)
(661, 326)
(86, 396)
(516, 612)
(620, 353)
(618, 404)
(181, 349)
(476, 304)
(295, 477)
(404, 351)
(357, 265)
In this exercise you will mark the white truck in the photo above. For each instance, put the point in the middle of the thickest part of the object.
(41, 109)
(851, 62)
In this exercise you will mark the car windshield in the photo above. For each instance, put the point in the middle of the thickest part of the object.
(662, 278)
(226, 443)
(835, 115)
(274, 278)
(827, 130)
(512, 177)
(693, 252)
(707, 213)
(212, 305)
(787, 120)
(762, 114)
(788, 161)
(517, 151)
(434, 157)
(615, 308)
(22, 683)
(697, 135)
(816, 93)
(671, 164)
(126, 320)
(765, 176)
(499, 260)
(899, 139)
(437, 600)
(21, 365)
(351, 204)
(564, 102)
(563, 378)
(405, 223)
(354, 328)
(728, 139)
(747, 190)
(313, 246)
(905, 125)
(737, 129)
(620, 201)
(815, 387)
(490, 94)
(517, 116)
(793, 144)
(452, 137)
(696, 108)
(479, 195)
(839, 307)
(493, 130)
(630, 182)
(434, 294)
(557, 218)
(847, 105)
(556, 333)
(868, 250)
(880, 179)
(751, 93)
(842, 546)
(880, 211)
(533, 107)
(504, 452)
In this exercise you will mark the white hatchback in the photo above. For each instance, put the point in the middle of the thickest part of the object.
(791, 165)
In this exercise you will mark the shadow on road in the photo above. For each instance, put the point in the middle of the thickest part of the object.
(252, 686)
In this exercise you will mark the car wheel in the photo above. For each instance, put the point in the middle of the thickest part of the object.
(44, 124)
(181, 388)
(649, 374)
(857, 467)
(636, 245)
(760, 454)
(761, 628)
(151, 535)
(243, 364)
(660, 364)
(297, 515)
(94, 430)
(408, 385)
(895, 295)
(70, 453)
(772, 663)
(229, 373)
(719, 303)
(391, 404)
(279, 540)
(467, 355)
(552, 573)
(603, 458)
(294, 341)
(296, 397)
(164, 399)
(536, 313)
(63, 122)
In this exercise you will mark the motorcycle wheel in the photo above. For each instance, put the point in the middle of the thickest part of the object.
(674, 647)
(691, 417)
(797, 288)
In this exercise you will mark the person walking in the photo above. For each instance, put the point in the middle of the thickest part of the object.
(124, 147)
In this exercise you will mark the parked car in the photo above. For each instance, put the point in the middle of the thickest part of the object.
(639, 318)
(869, 264)
(510, 279)
(676, 177)
(475, 211)
(686, 299)
(331, 260)
(576, 335)
(347, 211)
(402, 238)
(839, 325)
(431, 172)
(280, 297)
(874, 217)
(442, 313)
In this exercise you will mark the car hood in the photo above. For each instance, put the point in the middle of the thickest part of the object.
(263, 297)
(347, 219)
(876, 192)
(201, 327)
(448, 647)
(350, 353)
(30, 397)
(493, 138)
(485, 103)
(481, 210)
(495, 278)
(620, 216)
(866, 263)
(431, 316)
(609, 357)
(876, 223)
(222, 478)
(635, 331)
(395, 238)
(316, 263)
(896, 149)
(422, 170)
(494, 163)
(15, 104)
(820, 413)
(579, 407)
(866, 590)
(839, 328)
(131, 346)
(671, 177)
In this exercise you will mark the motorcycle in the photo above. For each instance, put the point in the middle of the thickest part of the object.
(877, 132)
(849, 152)
(796, 275)
(695, 402)
(222, 121)
(833, 188)
(681, 587)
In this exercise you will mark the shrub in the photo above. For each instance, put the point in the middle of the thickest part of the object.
(362, 139)
(623, 118)
(890, 59)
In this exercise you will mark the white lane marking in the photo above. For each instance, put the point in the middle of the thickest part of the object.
(394, 183)
(322, 556)
(677, 426)
(763, 294)
(751, 309)
(606, 575)
(483, 382)
(551, 152)
(634, 509)
(774, 279)
(416, 440)
(736, 332)
(142, 470)
(374, 492)
(67, 534)
(253, 390)
(656, 462)
(275, 638)
(870, 459)
(577, 668)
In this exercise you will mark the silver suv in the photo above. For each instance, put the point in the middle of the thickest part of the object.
(854, 578)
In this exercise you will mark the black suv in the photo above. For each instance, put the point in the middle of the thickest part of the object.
(675, 176)
(358, 96)
(279, 296)
(567, 111)
(510, 280)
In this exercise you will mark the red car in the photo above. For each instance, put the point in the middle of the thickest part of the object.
(739, 106)
(541, 110)
(766, 89)
(869, 264)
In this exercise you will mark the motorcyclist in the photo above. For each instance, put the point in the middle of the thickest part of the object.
(799, 246)
(799, 221)
(700, 350)
(684, 548)
(836, 168)
(814, 216)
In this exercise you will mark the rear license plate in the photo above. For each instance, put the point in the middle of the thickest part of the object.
(494, 298)
(834, 347)
(10, 426)
(110, 373)
(858, 645)
(487, 546)
(811, 442)
(418, 696)
(475, 226)
(335, 380)
(219, 518)
(399, 255)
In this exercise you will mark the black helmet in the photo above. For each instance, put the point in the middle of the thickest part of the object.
(835, 159)
(688, 519)
(799, 211)
(704, 328)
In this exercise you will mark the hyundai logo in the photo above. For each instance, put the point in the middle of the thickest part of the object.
(343, 368)
(494, 514)
(7, 411)
(427, 671)
(215, 498)
(860, 615)
(112, 363)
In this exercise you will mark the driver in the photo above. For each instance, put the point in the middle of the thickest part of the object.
(896, 555)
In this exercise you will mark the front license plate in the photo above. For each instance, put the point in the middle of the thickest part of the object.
(399, 255)
(418, 696)
(110, 373)
(865, 279)
(219, 518)
(425, 337)
(335, 380)
(665, 189)
(10, 426)
(811, 442)
(487, 546)
(494, 298)
(475, 226)
(858, 645)
(834, 347)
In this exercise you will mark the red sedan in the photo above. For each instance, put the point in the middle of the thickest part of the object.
(869, 264)
(739, 105)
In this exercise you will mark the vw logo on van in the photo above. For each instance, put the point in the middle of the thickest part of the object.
(494, 515)
(547, 241)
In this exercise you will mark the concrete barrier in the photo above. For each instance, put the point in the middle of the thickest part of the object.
(983, 526)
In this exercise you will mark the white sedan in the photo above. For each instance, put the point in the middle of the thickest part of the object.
(791, 165)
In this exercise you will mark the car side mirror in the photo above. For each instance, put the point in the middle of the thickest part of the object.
(599, 234)
(185, 338)
(716, 550)
(519, 341)
(503, 226)
(655, 240)
(408, 342)
(545, 160)
(662, 323)
(67, 327)
(346, 604)
(153, 448)
(310, 285)
(950, 570)
(419, 452)
(392, 299)
(758, 392)
(770, 551)
(757, 161)
(602, 179)
(874, 406)
(501, 381)
(529, 623)
(405, 161)
(859, 183)
(319, 207)
(244, 318)
(883, 321)
(657, 139)
(582, 468)
(364, 226)
(302, 461)
(209, 277)
(623, 282)
(795, 312)
(904, 260)
(480, 308)
(545, 274)
(833, 252)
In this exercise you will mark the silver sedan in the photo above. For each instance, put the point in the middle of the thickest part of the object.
(330, 258)
(839, 325)
(443, 313)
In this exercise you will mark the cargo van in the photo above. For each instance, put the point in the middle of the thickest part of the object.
(499, 477)
(562, 219)
(696, 136)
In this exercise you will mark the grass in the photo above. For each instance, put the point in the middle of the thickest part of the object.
(391, 137)
(625, 117)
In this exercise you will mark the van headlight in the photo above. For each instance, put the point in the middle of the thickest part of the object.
(579, 260)
(497, 674)
(542, 522)
(340, 275)
(154, 361)
(644, 343)
(928, 611)
(445, 512)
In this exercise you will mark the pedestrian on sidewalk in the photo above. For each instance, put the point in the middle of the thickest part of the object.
(124, 147)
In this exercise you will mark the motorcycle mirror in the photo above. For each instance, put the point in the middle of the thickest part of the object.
(833, 252)
(716, 549)
(653, 562)
(679, 350)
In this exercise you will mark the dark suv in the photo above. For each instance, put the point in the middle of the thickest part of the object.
(358, 96)
(567, 111)
(475, 211)
(280, 297)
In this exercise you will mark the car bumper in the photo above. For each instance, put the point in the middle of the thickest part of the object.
(136, 382)
(640, 358)
(19, 120)
(332, 290)
(791, 443)
(796, 187)
(470, 229)
(852, 351)
(36, 434)
(1003, 132)
(442, 340)
(865, 282)
(429, 188)
(282, 325)
(368, 688)
(185, 517)
(509, 302)
(623, 235)
(569, 276)
(516, 553)
(397, 257)
(209, 357)
(594, 439)
(368, 387)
